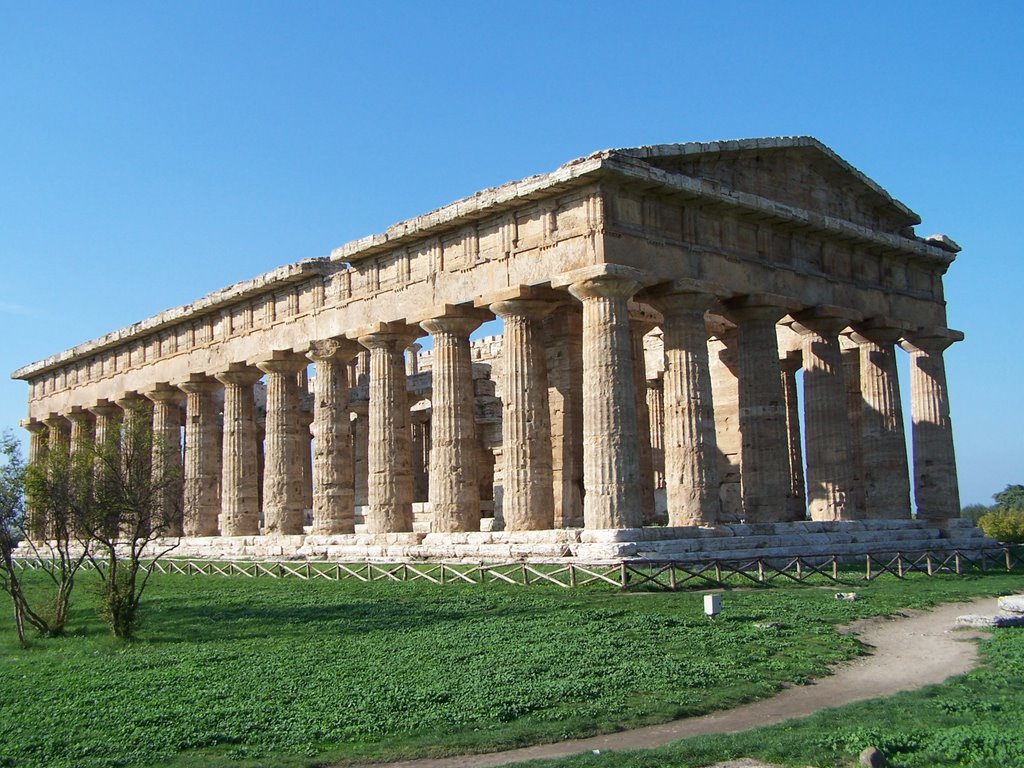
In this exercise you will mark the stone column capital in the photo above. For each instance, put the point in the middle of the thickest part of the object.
(286, 363)
(238, 375)
(338, 349)
(33, 426)
(455, 324)
(930, 340)
(165, 394)
(609, 286)
(879, 330)
(531, 309)
(105, 409)
(765, 307)
(823, 320)
(79, 415)
(130, 400)
(390, 336)
(791, 362)
(199, 385)
(57, 421)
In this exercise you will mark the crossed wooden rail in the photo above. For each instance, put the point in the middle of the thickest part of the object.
(625, 574)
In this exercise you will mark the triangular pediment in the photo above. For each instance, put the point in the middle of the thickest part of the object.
(797, 171)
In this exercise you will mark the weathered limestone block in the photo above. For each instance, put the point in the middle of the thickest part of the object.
(454, 489)
(826, 417)
(885, 473)
(240, 512)
(611, 465)
(333, 475)
(935, 484)
(691, 448)
(203, 457)
(390, 478)
(1012, 604)
(527, 501)
(764, 458)
(282, 462)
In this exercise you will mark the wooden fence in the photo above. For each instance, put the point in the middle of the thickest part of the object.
(625, 574)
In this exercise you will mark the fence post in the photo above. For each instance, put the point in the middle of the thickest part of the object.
(867, 567)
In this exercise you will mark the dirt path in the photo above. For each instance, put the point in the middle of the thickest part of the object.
(908, 653)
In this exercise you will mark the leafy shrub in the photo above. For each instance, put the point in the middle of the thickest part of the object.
(1005, 525)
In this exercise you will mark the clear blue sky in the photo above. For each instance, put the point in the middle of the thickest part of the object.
(153, 152)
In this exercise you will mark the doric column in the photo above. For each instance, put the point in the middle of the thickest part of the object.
(796, 502)
(454, 485)
(420, 455)
(108, 424)
(854, 407)
(239, 490)
(935, 483)
(723, 360)
(563, 335)
(764, 453)
(361, 450)
(886, 477)
(333, 490)
(638, 328)
(35, 525)
(691, 449)
(282, 459)
(527, 501)
(656, 409)
(202, 457)
(304, 446)
(611, 467)
(167, 466)
(826, 417)
(136, 427)
(412, 359)
(390, 479)
(81, 430)
(58, 435)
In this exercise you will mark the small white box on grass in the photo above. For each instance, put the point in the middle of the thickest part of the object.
(712, 605)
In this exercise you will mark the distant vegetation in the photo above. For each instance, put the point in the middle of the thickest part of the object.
(1004, 520)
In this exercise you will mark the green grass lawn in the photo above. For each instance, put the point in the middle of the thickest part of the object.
(236, 671)
(976, 720)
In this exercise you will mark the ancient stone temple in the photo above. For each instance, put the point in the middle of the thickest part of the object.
(657, 306)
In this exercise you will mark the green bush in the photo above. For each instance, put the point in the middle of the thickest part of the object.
(1004, 525)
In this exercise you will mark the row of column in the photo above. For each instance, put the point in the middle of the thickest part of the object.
(221, 477)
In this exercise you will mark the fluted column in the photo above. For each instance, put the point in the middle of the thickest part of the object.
(136, 427)
(454, 485)
(826, 418)
(202, 457)
(691, 447)
(304, 446)
(611, 467)
(108, 424)
(167, 466)
(563, 335)
(333, 476)
(58, 435)
(420, 454)
(282, 461)
(656, 409)
(796, 501)
(936, 490)
(886, 476)
(637, 330)
(361, 450)
(81, 431)
(35, 524)
(527, 501)
(764, 452)
(240, 513)
(412, 359)
(390, 479)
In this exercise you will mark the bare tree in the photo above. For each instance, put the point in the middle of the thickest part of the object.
(54, 485)
(135, 519)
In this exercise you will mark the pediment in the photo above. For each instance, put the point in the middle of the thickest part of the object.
(799, 171)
